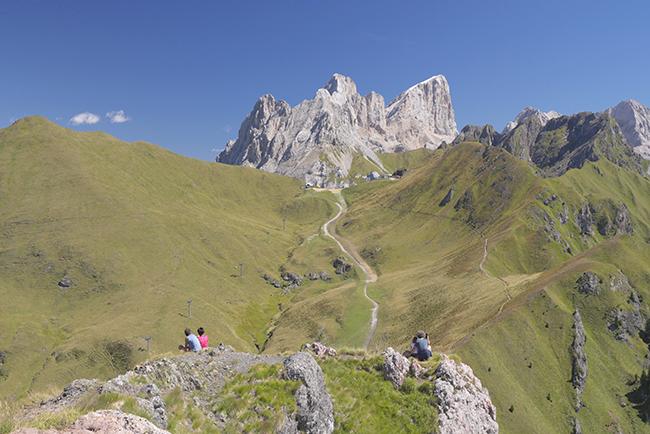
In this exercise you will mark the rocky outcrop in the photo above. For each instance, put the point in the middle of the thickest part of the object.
(396, 367)
(147, 396)
(422, 116)
(579, 359)
(315, 409)
(201, 375)
(530, 113)
(568, 142)
(485, 134)
(619, 283)
(585, 219)
(634, 120)
(464, 405)
(623, 221)
(318, 139)
(588, 283)
(445, 200)
(625, 323)
(341, 266)
(103, 422)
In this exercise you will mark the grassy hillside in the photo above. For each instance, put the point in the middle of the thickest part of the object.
(491, 273)
(138, 231)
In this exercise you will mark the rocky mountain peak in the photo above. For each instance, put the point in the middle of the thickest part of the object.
(634, 120)
(318, 139)
(341, 84)
(528, 113)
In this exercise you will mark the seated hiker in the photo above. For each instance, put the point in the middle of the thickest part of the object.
(203, 338)
(191, 341)
(421, 346)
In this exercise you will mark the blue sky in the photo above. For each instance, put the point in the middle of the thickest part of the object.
(185, 73)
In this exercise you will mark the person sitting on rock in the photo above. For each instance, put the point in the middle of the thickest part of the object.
(421, 347)
(203, 338)
(191, 342)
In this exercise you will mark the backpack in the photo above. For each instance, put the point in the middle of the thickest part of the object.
(422, 345)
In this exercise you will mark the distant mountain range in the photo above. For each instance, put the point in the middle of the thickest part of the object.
(319, 139)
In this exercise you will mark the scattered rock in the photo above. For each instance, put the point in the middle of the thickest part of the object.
(311, 275)
(564, 214)
(320, 350)
(445, 200)
(292, 278)
(464, 405)
(324, 276)
(66, 282)
(399, 173)
(271, 281)
(341, 266)
(588, 283)
(315, 409)
(579, 359)
(396, 367)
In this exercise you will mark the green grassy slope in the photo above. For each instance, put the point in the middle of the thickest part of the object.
(511, 322)
(139, 231)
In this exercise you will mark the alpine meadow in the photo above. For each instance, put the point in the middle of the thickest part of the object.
(341, 262)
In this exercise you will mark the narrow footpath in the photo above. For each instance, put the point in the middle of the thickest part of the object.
(370, 275)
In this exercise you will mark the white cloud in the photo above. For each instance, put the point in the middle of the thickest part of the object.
(117, 117)
(84, 118)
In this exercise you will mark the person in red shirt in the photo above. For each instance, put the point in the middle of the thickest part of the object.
(203, 338)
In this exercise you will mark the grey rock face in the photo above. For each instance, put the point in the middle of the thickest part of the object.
(396, 367)
(623, 221)
(317, 139)
(588, 283)
(634, 120)
(530, 113)
(464, 405)
(579, 359)
(147, 396)
(619, 283)
(315, 409)
(485, 134)
(422, 116)
(625, 323)
(585, 220)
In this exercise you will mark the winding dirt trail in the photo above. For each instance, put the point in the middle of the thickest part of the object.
(370, 275)
(506, 286)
